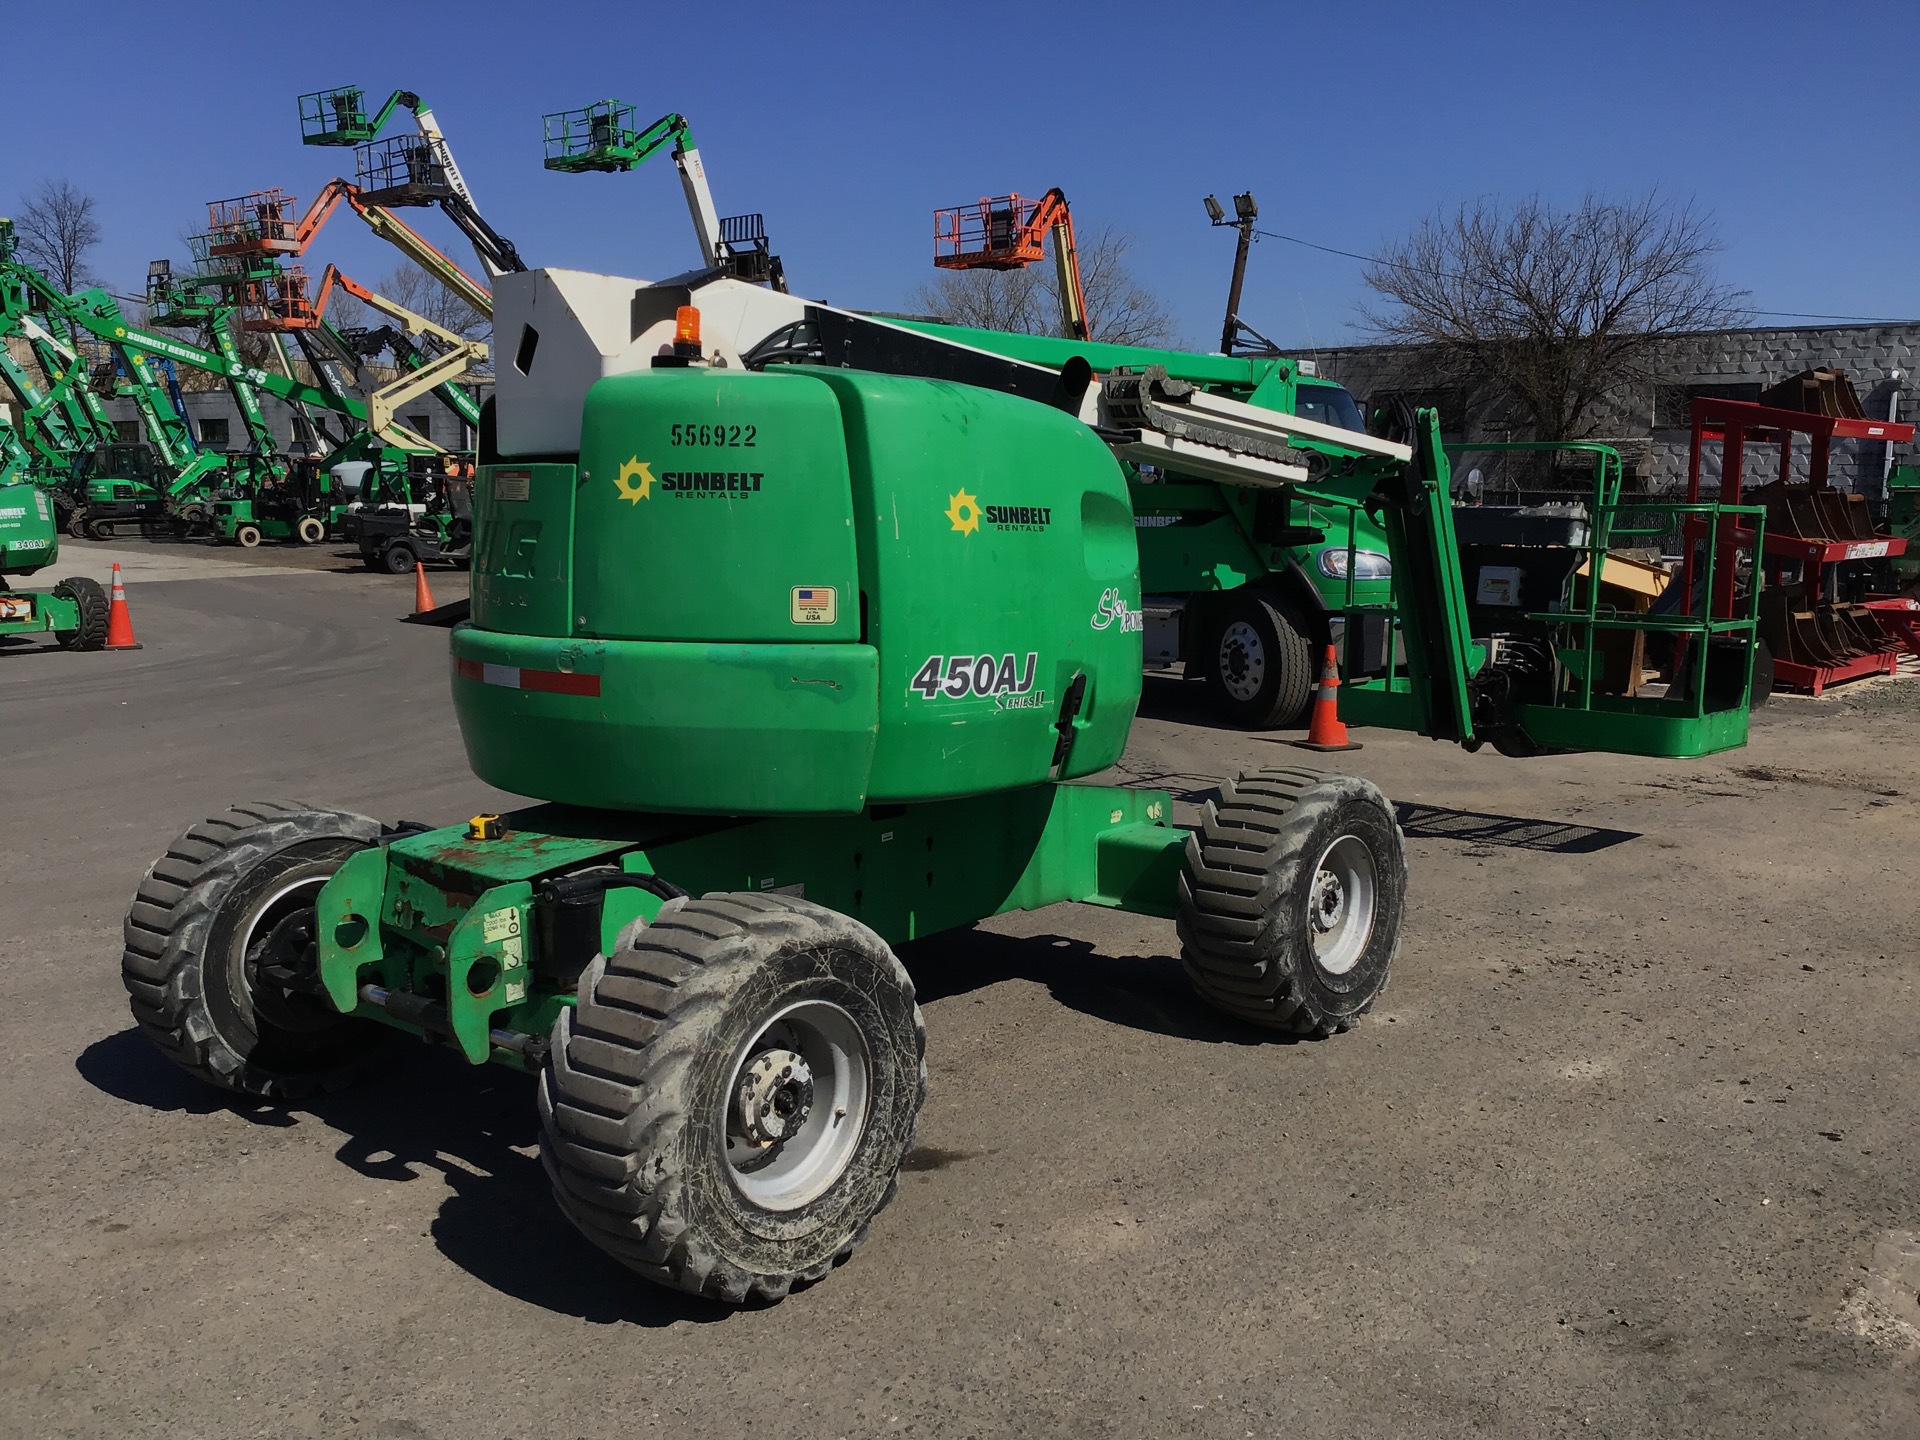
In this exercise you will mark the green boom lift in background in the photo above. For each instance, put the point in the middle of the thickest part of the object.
(74, 612)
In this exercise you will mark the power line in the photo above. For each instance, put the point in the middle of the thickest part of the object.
(1452, 275)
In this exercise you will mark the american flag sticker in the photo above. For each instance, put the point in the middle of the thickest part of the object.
(813, 605)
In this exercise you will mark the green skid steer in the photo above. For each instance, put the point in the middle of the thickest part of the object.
(74, 612)
(804, 661)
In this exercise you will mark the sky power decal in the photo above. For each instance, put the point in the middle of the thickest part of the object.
(1114, 612)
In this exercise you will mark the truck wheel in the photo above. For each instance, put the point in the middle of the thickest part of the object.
(399, 559)
(1291, 899)
(1259, 664)
(310, 530)
(247, 537)
(91, 601)
(728, 1107)
(219, 961)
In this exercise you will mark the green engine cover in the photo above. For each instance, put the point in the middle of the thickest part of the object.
(28, 537)
(800, 592)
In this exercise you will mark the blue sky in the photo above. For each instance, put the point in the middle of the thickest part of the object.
(846, 125)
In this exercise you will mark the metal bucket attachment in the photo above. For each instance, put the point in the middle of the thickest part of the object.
(1816, 392)
(1798, 632)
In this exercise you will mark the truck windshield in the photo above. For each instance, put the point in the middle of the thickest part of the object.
(1329, 404)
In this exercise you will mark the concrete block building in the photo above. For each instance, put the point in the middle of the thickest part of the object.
(215, 418)
(1650, 424)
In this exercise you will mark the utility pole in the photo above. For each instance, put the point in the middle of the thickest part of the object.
(1245, 213)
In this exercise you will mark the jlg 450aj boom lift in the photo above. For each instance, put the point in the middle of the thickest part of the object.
(788, 698)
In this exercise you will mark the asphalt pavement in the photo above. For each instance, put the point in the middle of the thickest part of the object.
(1627, 1148)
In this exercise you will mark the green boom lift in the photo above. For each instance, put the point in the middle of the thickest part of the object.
(97, 312)
(605, 137)
(784, 702)
(74, 612)
(404, 170)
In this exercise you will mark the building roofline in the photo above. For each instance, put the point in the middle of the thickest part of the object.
(1311, 350)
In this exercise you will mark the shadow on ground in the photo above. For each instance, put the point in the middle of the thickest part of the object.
(1187, 702)
(1472, 827)
(1141, 992)
(431, 1114)
(427, 1113)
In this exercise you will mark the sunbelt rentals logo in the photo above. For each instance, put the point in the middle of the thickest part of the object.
(636, 482)
(964, 511)
(968, 514)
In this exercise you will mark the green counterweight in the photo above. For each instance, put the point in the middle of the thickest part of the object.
(801, 592)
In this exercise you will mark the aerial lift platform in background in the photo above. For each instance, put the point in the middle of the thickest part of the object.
(604, 137)
(1010, 232)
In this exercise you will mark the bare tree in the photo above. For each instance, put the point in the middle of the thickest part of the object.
(56, 229)
(407, 284)
(991, 300)
(1120, 310)
(1553, 308)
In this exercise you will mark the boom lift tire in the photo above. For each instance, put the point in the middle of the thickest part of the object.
(1291, 900)
(91, 601)
(219, 952)
(696, 1025)
(310, 530)
(1259, 661)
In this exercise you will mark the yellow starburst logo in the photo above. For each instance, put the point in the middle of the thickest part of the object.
(964, 511)
(635, 481)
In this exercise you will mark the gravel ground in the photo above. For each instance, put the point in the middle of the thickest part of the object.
(1626, 1150)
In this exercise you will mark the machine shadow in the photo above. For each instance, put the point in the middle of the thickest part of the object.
(1141, 992)
(1471, 827)
(1170, 697)
(474, 1127)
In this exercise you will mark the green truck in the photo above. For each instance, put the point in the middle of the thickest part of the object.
(1241, 587)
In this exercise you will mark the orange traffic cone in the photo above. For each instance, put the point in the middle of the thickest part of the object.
(1325, 729)
(422, 596)
(119, 621)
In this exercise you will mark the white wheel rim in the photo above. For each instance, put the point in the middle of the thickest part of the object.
(821, 1048)
(1242, 661)
(1341, 904)
(255, 928)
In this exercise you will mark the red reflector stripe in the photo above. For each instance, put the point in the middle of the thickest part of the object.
(551, 682)
(559, 682)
